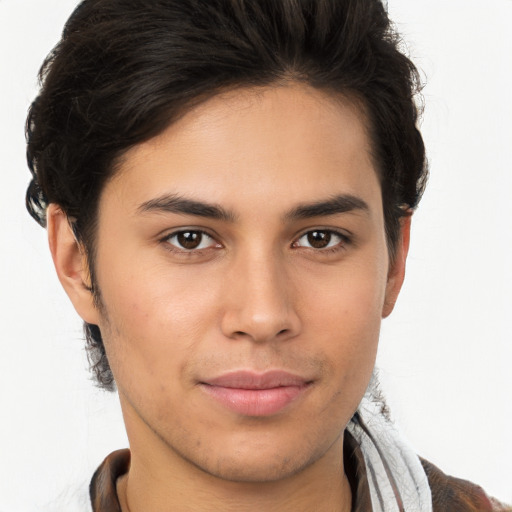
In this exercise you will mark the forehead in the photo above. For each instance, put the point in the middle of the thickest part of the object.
(284, 143)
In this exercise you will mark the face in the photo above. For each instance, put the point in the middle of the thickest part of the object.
(243, 269)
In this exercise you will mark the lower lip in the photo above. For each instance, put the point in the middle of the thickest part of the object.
(255, 402)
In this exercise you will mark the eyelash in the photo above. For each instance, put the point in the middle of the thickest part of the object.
(344, 240)
(183, 250)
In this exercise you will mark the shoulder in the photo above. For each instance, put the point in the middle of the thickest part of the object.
(451, 494)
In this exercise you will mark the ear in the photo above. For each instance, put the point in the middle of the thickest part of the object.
(396, 272)
(70, 263)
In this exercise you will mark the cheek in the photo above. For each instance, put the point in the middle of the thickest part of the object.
(154, 318)
(343, 317)
(348, 302)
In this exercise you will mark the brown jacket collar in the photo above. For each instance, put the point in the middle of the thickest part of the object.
(448, 494)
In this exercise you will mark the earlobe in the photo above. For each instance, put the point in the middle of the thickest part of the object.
(396, 272)
(70, 263)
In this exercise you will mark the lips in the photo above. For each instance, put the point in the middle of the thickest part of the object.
(253, 394)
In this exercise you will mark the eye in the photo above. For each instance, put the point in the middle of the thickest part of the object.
(190, 240)
(321, 239)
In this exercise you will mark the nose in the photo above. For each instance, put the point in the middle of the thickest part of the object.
(260, 301)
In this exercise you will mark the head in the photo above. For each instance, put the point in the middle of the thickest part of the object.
(317, 92)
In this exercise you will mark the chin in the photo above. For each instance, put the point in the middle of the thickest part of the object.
(257, 464)
(257, 471)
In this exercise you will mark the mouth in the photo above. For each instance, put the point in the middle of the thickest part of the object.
(256, 394)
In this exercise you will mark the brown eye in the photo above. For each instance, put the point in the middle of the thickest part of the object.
(321, 239)
(191, 240)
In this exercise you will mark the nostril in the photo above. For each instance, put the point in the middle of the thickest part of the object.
(241, 334)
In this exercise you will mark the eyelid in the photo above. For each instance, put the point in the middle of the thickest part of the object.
(182, 250)
(346, 238)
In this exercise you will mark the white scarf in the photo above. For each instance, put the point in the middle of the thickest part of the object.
(395, 475)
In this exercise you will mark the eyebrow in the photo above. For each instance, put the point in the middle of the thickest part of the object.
(335, 205)
(173, 203)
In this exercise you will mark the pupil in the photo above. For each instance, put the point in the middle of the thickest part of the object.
(189, 239)
(319, 239)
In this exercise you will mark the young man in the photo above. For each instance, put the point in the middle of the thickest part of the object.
(228, 187)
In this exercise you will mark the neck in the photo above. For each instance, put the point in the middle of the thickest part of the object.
(145, 489)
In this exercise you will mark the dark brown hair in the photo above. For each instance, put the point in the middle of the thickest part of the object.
(125, 69)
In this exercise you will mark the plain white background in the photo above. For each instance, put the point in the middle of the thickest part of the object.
(445, 353)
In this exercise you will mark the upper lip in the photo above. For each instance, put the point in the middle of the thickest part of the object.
(244, 379)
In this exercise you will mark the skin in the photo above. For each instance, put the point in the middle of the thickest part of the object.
(255, 295)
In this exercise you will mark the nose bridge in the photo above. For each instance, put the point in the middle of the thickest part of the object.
(261, 303)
